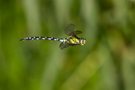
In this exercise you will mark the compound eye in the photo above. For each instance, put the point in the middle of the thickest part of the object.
(84, 42)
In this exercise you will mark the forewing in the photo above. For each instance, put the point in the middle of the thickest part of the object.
(69, 30)
(63, 45)
(77, 32)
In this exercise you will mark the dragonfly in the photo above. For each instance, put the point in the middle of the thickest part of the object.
(71, 40)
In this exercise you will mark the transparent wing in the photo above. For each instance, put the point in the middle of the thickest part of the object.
(70, 30)
(63, 45)
(77, 32)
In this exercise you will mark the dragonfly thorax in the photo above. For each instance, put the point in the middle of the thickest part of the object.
(75, 41)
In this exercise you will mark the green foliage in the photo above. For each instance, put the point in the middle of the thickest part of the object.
(106, 62)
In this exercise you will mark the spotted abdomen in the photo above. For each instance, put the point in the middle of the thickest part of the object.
(40, 38)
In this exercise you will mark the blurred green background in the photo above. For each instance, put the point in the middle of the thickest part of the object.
(106, 62)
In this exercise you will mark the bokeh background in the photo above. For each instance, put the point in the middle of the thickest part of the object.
(106, 62)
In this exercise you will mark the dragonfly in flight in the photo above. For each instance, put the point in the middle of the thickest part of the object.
(71, 40)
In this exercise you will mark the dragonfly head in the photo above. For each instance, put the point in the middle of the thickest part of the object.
(82, 41)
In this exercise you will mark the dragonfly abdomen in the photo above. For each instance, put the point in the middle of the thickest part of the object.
(42, 38)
